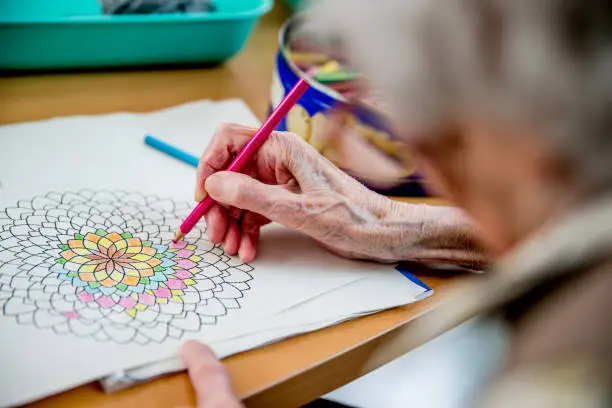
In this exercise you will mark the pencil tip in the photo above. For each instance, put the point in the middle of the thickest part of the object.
(179, 235)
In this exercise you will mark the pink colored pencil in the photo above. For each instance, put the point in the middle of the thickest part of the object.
(246, 153)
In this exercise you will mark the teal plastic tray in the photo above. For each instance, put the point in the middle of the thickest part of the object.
(69, 34)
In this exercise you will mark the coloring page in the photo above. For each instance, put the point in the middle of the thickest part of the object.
(90, 281)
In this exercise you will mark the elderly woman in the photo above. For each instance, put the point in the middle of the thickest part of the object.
(507, 106)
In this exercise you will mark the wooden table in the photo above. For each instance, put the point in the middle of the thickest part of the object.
(285, 374)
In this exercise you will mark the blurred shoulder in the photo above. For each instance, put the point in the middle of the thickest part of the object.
(565, 382)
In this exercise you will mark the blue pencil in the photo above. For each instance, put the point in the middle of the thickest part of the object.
(171, 150)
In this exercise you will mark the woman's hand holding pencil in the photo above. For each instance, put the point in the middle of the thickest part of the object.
(245, 154)
(287, 181)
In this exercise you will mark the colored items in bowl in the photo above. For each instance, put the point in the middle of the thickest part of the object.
(330, 67)
(326, 70)
(340, 76)
(156, 6)
(308, 57)
(336, 85)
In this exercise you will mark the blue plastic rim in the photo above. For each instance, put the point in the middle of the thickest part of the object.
(317, 99)
(60, 34)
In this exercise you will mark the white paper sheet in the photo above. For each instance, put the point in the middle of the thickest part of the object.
(70, 191)
(359, 298)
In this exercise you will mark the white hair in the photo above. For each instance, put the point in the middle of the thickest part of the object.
(545, 64)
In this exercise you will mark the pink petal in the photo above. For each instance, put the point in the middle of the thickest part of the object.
(105, 301)
(184, 253)
(180, 244)
(85, 297)
(186, 263)
(146, 299)
(127, 302)
(183, 274)
(175, 284)
(162, 292)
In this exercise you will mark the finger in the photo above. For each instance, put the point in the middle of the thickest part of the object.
(216, 222)
(270, 201)
(227, 141)
(251, 222)
(232, 238)
(209, 377)
(248, 246)
(235, 213)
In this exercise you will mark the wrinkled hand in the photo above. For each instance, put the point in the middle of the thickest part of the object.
(209, 377)
(290, 183)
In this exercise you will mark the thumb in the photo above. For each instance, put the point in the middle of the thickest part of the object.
(244, 192)
(209, 377)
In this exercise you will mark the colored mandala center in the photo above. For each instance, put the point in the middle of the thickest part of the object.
(121, 270)
(97, 264)
(112, 260)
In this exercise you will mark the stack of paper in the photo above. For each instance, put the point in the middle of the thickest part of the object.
(91, 286)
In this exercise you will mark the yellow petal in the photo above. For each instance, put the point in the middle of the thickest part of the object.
(82, 251)
(121, 245)
(88, 268)
(105, 242)
(117, 276)
(101, 275)
(132, 272)
(140, 307)
(79, 260)
(140, 257)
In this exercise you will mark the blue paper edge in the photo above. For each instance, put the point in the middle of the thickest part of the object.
(412, 278)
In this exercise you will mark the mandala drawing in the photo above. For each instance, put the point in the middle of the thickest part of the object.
(103, 265)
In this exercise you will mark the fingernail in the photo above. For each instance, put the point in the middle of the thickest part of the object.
(200, 194)
(215, 186)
